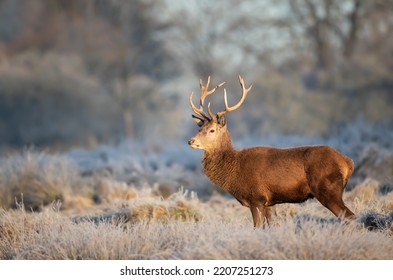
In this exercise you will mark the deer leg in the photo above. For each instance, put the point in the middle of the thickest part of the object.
(266, 215)
(256, 216)
(339, 209)
(334, 202)
(328, 191)
(260, 216)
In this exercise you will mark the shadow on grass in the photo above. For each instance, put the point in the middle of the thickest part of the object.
(372, 221)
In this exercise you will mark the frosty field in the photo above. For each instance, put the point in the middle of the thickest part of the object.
(134, 202)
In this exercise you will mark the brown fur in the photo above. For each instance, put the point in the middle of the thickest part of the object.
(261, 177)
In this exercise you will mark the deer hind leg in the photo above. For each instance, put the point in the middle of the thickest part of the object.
(337, 206)
(330, 195)
(260, 215)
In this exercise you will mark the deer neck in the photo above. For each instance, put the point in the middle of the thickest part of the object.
(220, 164)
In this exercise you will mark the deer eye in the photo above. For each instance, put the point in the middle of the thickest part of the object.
(212, 131)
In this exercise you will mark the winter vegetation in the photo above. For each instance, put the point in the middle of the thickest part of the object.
(94, 123)
(126, 203)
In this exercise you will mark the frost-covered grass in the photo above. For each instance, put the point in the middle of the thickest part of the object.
(138, 202)
(222, 231)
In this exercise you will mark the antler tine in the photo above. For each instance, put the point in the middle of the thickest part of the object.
(212, 116)
(197, 111)
(244, 94)
(205, 90)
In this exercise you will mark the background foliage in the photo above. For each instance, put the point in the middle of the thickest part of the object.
(90, 72)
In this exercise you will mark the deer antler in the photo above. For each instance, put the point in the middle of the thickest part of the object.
(244, 95)
(200, 115)
(204, 90)
(199, 112)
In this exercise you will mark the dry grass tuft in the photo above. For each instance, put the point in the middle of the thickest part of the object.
(107, 190)
(146, 209)
(36, 179)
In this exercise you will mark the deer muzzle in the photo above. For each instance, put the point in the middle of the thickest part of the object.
(193, 143)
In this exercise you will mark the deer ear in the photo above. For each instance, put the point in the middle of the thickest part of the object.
(197, 120)
(221, 120)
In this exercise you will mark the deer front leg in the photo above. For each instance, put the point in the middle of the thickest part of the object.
(260, 215)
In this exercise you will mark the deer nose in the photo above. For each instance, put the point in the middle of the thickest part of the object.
(191, 141)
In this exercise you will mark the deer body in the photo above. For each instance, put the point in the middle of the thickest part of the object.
(261, 177)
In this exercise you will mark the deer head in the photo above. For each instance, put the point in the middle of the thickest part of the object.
(213, 132)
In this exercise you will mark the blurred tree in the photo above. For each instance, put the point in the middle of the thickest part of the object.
(219, 37)
(11, 20)
(337, 31)
(142, 54)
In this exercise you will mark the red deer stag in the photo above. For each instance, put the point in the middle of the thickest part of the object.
(261, 177)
